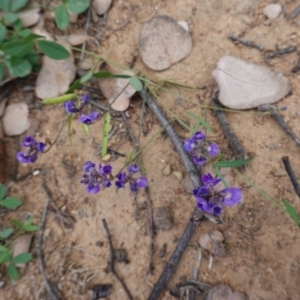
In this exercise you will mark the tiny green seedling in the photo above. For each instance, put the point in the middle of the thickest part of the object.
(8, 235)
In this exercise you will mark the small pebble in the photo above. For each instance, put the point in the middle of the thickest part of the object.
(106, 157)
(272, 11)
(162, 218)
(167, 170)
(36, 172)
(178, 175)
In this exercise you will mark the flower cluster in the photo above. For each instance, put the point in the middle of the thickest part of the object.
(31, 155)
(199, 149)
(211, 202)
(134, 183)
(84, 118)
(94, 178)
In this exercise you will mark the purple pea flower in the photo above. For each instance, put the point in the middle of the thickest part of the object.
(210, 202)
(93, 178)
(134, 183)
(31, 155)
(89, 118)
(199, 149)
(84, 118)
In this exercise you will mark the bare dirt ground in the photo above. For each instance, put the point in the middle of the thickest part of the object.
(262, 243)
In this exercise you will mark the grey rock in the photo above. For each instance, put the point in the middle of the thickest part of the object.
(162, 218)
(244, 85)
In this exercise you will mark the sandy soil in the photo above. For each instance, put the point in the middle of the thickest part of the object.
(262, 243)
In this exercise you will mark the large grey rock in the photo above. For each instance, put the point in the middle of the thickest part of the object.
(163, 42)
(245, 85)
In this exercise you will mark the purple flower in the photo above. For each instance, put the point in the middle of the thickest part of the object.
(209, 201)
(70, 107)
(83, 117)
(28, 141)
(122, 179)
(93, 179)
(199, 149)
(134, 183)
(90, 118)
(31, 155)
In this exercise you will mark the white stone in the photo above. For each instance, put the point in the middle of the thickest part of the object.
(15, 119)
(245, 85)
(272, 11)
(101, 6)
(29, 17)
(55, 77)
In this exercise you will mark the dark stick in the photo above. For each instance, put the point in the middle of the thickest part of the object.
(112, 260)
(246, 43)
(294, 13)
(51, 292)
(278, 118)
(149, 201)
(171, 265)
(235, 144)
(291, 174)
(272, 54)
(297, 67)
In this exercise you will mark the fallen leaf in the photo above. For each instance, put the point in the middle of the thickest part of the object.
(163, 42)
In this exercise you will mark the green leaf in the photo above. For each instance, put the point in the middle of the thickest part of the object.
(31, 36)
(59, 99)
(85, 128)
(76, 84)
(53, 50)
(201, 120)
(86, 77)
(17, 48)
(3, 32)
(22, 258)
(28, 221)
(232, 163)
(17, 223)
(2, 191)
(30, 228)
(105, 134)
(78, 6)
(1, 74)
(69, 122)
(10, 18)
(3, 249)
(4, 256)
(19, 68)
(5, 5)
(12, 272)
(103, 74)
(17, 5)
(136, 83)
(62, 17)
(4, 234)
(291, 211)
(25, 33)
(11, 202)
(33, 58)
(18, 25)
(2, 66)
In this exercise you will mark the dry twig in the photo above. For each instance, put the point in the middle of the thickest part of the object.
(112, 259)
(291, 174)
(50, 290)
(171, 265)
